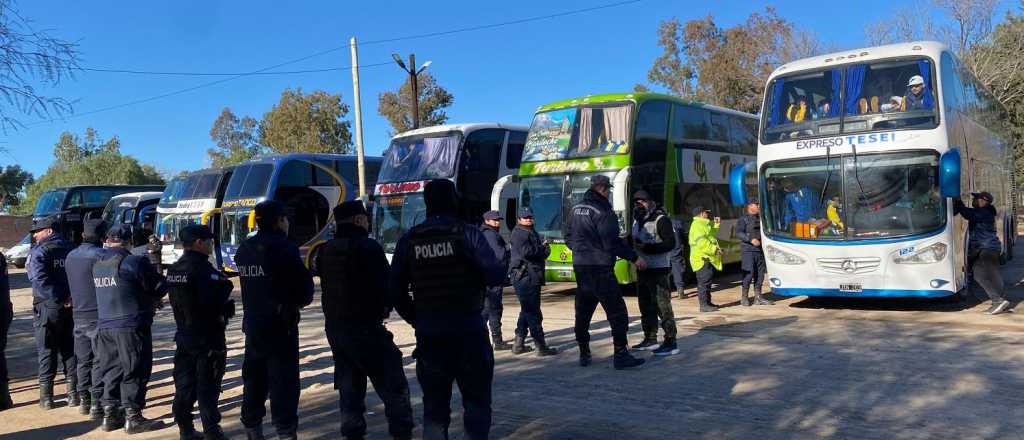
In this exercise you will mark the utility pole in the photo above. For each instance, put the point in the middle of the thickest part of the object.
(360, 161)
(413, 81)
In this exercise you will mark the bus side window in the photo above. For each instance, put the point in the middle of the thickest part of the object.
(650, 148)
(307, 209)
(743, 134)
(478, 170)
(689, 123)
(516, 142)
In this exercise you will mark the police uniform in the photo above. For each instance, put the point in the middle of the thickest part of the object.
(353, 278)
(275, 286)
(748, 229)
(6, 315)
(53, 321)
(448, 264)
(78, 266)
(528, 255)
(201, 300)
(128, 291)
(493, 307)
(654, 239)
(593, 237)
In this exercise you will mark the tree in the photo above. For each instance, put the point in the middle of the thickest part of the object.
(102, 168)
(396, 107)
(70, 148)
(13, 181)
(307, 123)
(726, 66)
(30, 58)
(236, 139)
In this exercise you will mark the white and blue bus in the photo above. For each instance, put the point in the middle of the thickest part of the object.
(859, 158)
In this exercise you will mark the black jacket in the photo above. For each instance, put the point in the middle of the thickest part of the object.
(363, 296)
(529, 250)
(981, 227)
(748, 228)
(497, 243)
(275, 286)
(5, 290)
(593, 233)
(78, 267)
(200, 297)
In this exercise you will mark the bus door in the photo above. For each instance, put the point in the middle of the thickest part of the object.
(478, 169)
(505, 195)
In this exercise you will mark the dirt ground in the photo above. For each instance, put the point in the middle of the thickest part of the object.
(842, 369)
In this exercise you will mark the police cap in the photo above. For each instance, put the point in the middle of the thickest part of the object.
(94, 229)
(525, 212)
(192, 233)
(50, 221)
(600, 180)
(120, 232)
(492, 215)
(269, 211)
(983, 195)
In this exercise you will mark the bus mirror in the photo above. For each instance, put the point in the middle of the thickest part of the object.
(737, 183)
(949, 174)
(251, 223)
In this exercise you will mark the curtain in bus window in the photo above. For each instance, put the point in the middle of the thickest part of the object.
(926, 72)
(430, 158)
(775, 113)
(837, 88)
(854, 86)
(604, 130)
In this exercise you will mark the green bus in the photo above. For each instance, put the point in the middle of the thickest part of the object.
(679, 151)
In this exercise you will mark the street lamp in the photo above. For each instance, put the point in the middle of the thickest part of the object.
(413, 72)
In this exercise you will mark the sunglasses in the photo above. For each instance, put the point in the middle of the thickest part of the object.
(527, 218)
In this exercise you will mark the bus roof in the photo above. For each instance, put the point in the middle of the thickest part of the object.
(463, 127)
(139, 196)
(277, 158)
(932, 49)
(141, 187)
(634, 96)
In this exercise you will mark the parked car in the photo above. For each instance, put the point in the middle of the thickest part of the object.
(18, 254)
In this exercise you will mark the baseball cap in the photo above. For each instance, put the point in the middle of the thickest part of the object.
(349, 209)
(120, 232)
(525, 212)
(492, 215)
(699, 210)
(641, 195)
(600, 179)
(50, 221)
(983, 195)
(192, 233)
(915, 80)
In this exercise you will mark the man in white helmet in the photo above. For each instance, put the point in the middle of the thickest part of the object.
(918, 96)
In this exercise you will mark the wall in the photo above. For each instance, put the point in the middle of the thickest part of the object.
(13, 228)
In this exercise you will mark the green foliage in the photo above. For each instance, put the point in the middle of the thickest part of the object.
(13, 181)
(396, 107)
(310, 123)
(70, 148)
(236, 139)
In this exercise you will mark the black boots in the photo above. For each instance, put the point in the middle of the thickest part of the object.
(705, 308)
(762, 301)
(72, 393)
(254, 433)
(46, 396)
(5, 397)
(744, 299)
(499, 343)
(519, 346)
(288, 433)
(214, 433)
(542, 347)
(623, 360)
(585, 358)
(135, 423)
(86, 403)
(112, 418)
(188, 432)
(96, 412)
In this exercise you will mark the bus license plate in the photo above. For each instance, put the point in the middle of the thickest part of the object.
(564, 273)
(855, 288)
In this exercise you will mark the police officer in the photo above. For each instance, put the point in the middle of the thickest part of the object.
(492, 301)
(748, 230)
(354, 279)
(275, 286)
(6, 315)
(128, 292)
(51, 306)
(529, 252)
(983, 248)
(593, 237)
(448, 264)
(201, 301)
(79, 265)
(654, 238)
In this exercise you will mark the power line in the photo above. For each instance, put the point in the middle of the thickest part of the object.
(335, 49)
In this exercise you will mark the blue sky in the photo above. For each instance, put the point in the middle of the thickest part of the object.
(499, 74)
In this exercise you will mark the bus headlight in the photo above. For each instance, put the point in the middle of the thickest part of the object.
(776, 255)
(926, 255)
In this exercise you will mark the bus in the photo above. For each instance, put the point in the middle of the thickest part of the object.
(190, 199)
(138, 210)
(679, 151)
(310, 185)
(76, 203)
(861, 154)
(475, 156)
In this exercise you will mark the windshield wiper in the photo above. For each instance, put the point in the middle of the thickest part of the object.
(828, 174)
(856, 175)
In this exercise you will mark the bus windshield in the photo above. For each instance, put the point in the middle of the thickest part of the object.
(870, 196)
(551, 198)
(171, 192)
(420, 158)
(249, 181)
(113, 213)
(395, 215)
(236, 226)
(50, 202)
(579, 132)
(883, 95)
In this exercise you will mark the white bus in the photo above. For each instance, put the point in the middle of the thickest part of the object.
(188, 200)
(860, 155)
(474, 156)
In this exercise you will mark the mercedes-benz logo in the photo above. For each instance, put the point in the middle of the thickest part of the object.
(849, 266)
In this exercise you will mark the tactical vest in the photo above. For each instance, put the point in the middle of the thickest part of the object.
(649, 230)
(81, 283)
(336, 275)
(54, 249)
(184, 297)
(444, 278)
(116, 297)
